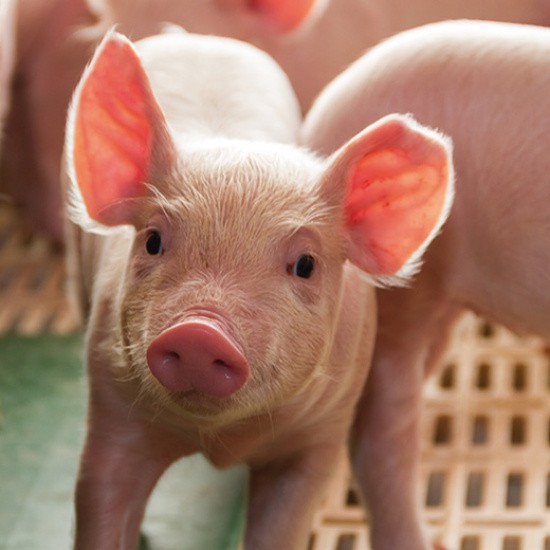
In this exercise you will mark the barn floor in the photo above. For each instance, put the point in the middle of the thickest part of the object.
(42, 397)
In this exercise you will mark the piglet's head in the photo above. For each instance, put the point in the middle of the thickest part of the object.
(230, 296)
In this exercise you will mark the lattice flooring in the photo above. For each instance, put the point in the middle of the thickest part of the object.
(486, 423)
(486, 450)
(32, 298)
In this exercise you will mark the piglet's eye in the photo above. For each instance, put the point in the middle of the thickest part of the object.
(153, 244)
(303, 267)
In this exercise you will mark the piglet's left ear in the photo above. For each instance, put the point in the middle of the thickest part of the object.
(395, 183)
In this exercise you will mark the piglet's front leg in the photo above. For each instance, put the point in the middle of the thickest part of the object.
(112, 491)
(122, 460)
(284, 496)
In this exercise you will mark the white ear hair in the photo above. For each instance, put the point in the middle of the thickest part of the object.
(318, 11)
(101, 11)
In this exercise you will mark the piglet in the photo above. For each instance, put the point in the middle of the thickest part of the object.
(225, 275)
(486, 85)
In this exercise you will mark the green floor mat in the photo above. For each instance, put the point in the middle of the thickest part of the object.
(42, 402)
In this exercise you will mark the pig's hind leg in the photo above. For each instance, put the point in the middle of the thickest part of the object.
(386, 438)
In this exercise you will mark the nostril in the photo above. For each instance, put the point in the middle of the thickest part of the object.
(223, 369)
(168, 358)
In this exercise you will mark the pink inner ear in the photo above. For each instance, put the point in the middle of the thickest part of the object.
(113, 133)
(392, 206)
(286, 14)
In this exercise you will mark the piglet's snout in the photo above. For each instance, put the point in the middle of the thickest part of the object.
(196, 355)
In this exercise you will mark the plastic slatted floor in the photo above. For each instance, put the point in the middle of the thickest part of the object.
(32, 282)
(486, 423)
(486, 450)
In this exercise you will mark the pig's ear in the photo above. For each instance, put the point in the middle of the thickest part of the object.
(117, 138)
(285, 15)
(395, 182)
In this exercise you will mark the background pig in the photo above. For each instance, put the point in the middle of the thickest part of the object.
(49, 60)
(486, 85)
(7, 39)
(211, 256)
(333, 34)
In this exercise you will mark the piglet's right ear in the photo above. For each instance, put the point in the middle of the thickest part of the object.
(117, 138)
(394, 181)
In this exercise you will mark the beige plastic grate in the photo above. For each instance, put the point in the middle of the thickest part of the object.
(486, 423)
(486, 450)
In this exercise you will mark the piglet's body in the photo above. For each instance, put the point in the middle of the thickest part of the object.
(219, 268)
(486, 85)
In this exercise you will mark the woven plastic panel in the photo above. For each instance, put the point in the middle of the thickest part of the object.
(32, 278)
